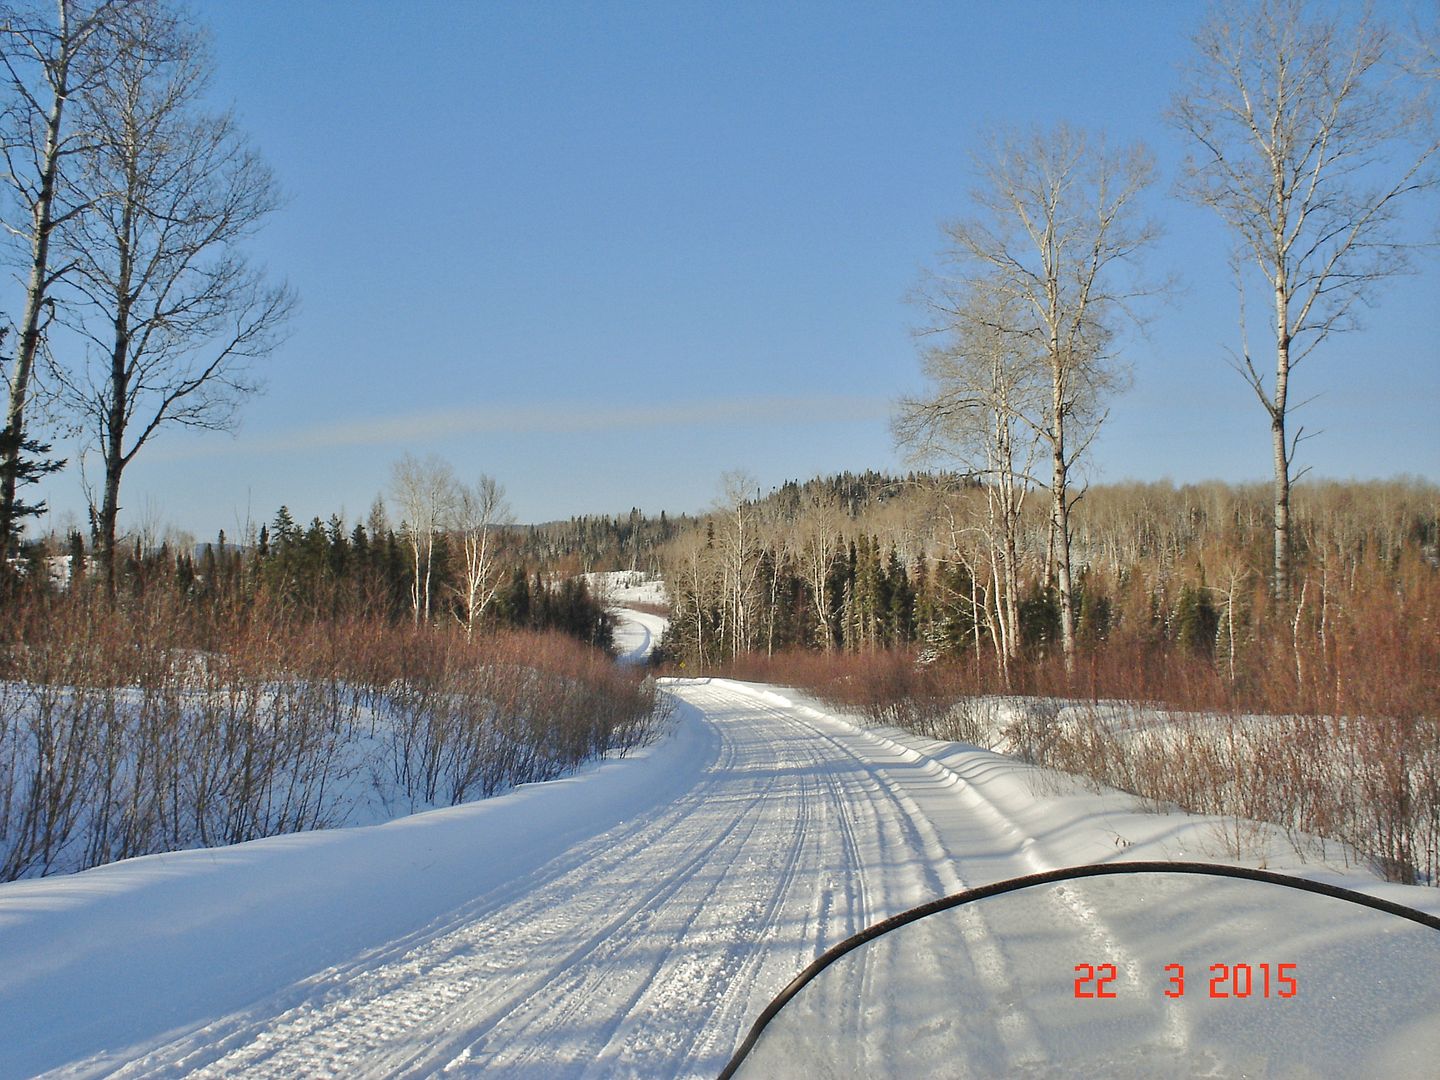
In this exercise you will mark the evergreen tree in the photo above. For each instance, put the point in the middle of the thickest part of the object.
(1040, 618)
(864, 592)
(1197, 623)
(77, 559)
(902, 601)
(1092, 610)
(443, 580)
(360, 547)
(338, 553)
(26, 460)
(285, 530)
(185, 575)
(207, 573)
(924, 609)
(396, 572)
(952, 613)
(513, 601)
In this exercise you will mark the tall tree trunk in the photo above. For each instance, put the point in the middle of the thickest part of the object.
(1280, 582)
(42, 224)
(1010, 600)
(1060, 522)
(106, 524)
(113, 449)
(821, 594)
(1006, 604)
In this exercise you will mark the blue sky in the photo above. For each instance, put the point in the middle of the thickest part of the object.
(606, 252)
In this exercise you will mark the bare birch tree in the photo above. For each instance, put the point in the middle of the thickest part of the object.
(692, 581)
(171, 310)
(1055, 238)
(738, 542)
(816, 543)
(48, 60)
(425, 493)
(1307, 144)
(983, 413)
(477, 512)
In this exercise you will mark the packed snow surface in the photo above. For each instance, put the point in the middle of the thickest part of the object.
(629, 921)
(637, 632)
(637, 635)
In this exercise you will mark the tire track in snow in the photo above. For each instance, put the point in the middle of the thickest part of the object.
(371, 1004)
(1069, 898)
(694, 987)
(559, 1003)
(1014, 1029)
(502, 966)
(649, 948)
(821, 789)
(558, 889)
(699, 989)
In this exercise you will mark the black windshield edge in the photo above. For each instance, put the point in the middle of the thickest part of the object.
(1068, 873)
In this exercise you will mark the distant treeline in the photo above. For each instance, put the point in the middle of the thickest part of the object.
(857, 564)
(331, 570)
(902, 611)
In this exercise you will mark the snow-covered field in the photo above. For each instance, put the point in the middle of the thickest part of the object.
(625, 587)
(634, 919)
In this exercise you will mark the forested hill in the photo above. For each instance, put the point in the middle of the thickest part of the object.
(859, 563)
(599, 542)
(634, 541)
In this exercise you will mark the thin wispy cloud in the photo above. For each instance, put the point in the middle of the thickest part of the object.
(552, 419)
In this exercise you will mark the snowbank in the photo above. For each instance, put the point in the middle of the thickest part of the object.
(144, 947)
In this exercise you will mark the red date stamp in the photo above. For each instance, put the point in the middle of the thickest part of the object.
(1231, 981)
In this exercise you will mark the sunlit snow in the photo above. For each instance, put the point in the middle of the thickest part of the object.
(633, 920)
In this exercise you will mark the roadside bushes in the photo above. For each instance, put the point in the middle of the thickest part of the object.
(885, 686)
(1372, 783)
(127, 731)
(460, 722)
(1330, 730)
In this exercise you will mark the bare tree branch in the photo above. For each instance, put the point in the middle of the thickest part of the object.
(49, 60)
(172, 309)
(1309, 135)
(1047, 268)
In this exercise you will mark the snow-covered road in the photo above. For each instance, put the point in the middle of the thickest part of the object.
(628, 922)
(637, 635)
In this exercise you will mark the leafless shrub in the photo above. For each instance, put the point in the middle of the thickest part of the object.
(973, 719)
(1033, 731)
(1343, 746)
(120, 737)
